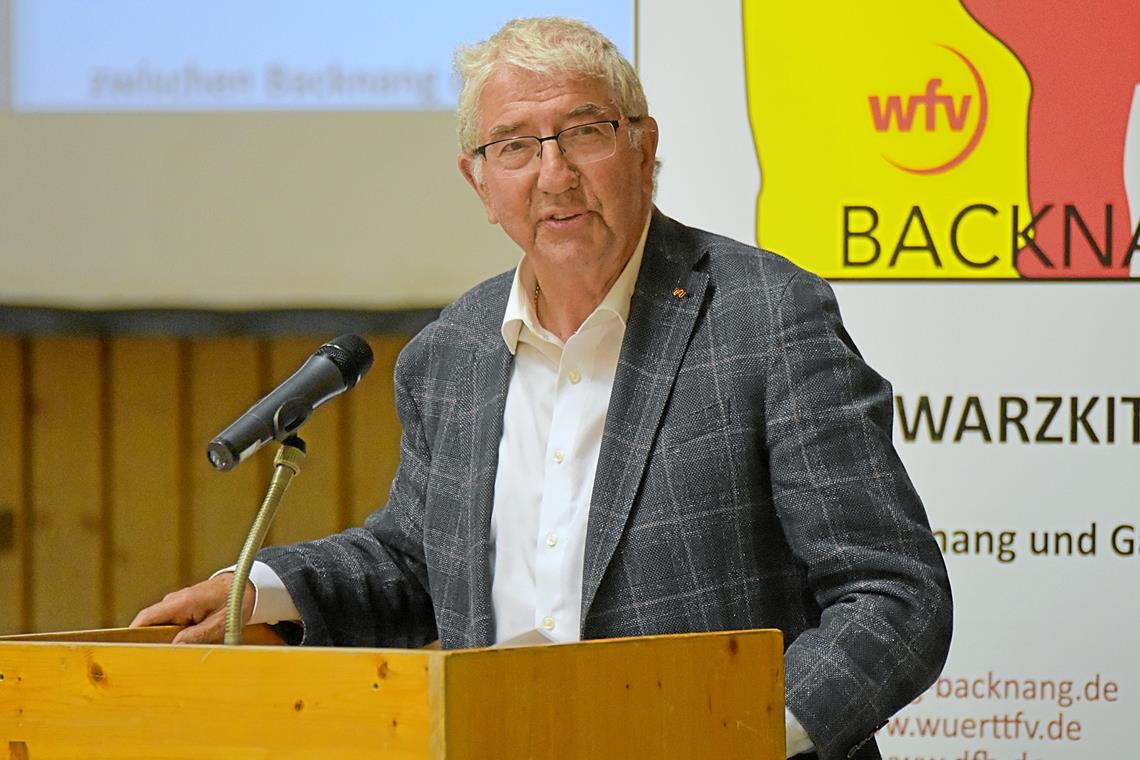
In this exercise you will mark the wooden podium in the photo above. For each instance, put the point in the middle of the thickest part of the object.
(714, 695)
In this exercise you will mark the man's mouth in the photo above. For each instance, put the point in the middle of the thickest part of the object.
(563, 216)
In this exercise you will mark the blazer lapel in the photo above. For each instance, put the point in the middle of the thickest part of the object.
(491, 375)
(666, 302)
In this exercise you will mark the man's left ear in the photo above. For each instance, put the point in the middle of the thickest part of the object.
(648, 139)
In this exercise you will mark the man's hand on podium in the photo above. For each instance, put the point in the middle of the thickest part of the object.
(201, 608)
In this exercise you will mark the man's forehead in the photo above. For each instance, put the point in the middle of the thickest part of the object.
(512, 97)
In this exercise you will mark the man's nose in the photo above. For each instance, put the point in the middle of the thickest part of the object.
(555, 173)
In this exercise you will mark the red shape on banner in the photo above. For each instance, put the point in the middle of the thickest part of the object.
(1083, 62)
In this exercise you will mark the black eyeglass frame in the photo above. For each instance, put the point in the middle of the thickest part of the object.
(615, 123)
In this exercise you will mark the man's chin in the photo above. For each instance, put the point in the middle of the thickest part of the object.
(561, 243)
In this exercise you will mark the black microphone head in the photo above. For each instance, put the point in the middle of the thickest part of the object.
(351, 355)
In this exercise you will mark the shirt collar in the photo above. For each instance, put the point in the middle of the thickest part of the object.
(520, 313)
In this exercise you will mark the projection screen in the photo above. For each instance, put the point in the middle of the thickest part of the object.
(246, 155)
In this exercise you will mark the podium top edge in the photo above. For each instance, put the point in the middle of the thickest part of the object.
(163, 635)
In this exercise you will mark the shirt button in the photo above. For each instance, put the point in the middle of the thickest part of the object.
(548, 623)
(559, 456)
(552, 540)
(574, 376)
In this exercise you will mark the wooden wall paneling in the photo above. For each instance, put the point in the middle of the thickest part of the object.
(376, 434)
(225, 379)
(311, 506)
(15, 570)
(184, 474)
(68, 519)
(145, 431)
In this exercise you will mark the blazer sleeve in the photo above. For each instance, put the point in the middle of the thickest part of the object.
(853, 519)
(369, 586)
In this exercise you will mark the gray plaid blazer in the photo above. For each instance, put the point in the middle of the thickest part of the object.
(746, 480)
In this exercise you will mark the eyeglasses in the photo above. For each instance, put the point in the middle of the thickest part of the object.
(581, 144)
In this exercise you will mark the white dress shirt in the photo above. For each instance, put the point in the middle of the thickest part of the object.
(552, 435)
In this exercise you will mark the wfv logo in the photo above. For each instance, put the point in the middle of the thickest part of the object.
(901, 113)
(930, 101)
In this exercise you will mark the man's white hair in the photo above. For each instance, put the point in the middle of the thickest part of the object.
(549, 46)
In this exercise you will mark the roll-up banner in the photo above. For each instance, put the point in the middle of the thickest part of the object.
(967, 175)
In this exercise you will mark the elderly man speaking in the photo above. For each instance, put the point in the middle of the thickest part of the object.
(643, 429)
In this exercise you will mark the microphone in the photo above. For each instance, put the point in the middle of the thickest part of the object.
(332, 369)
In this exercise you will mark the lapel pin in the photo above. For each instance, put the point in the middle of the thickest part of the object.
(679, 292)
